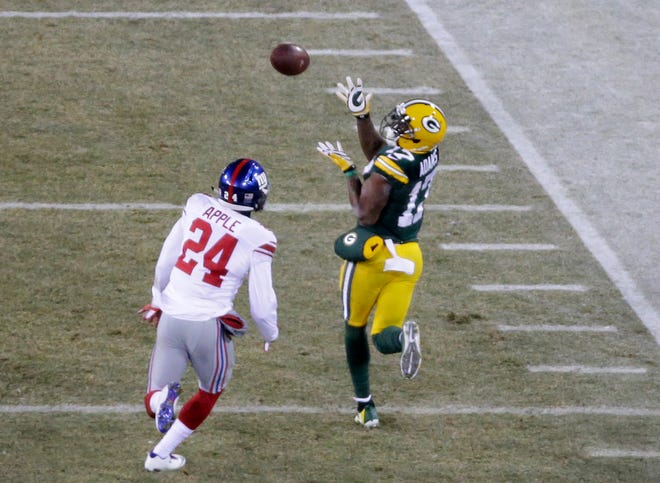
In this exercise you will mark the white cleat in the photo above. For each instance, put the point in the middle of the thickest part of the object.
(156, 463)
(411, 355)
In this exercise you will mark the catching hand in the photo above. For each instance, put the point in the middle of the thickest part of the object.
(151, 314)
(356, 99)
(337, 155)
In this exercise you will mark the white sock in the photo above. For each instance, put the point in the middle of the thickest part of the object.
(363, 399)
(157, 399)
(176, 435)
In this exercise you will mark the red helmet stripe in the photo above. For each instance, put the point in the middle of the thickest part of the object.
(237, 171)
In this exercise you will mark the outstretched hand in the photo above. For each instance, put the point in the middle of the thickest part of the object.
(337, 156)
(354, 96)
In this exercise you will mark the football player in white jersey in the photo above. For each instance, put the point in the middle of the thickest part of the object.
(213, 247)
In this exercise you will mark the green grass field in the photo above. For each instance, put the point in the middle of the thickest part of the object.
(150, 110)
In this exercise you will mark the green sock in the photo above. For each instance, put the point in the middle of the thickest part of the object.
(357, 356)
(388, 341)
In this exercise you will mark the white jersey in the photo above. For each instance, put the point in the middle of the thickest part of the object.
(205, 259)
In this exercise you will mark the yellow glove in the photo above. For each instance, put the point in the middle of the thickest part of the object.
(356, 99)
(338, 156)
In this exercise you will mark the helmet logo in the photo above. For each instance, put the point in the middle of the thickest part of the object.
(350, 238)
(262, 181)
(431, 124)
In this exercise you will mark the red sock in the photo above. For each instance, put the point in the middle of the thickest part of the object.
(197, 409)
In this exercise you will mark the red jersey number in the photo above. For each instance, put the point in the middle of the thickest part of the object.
(215, 258)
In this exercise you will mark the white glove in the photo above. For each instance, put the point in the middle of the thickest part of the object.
(337, 155)
(356, 99)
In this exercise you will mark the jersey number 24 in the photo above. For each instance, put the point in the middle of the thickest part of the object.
(215, 257)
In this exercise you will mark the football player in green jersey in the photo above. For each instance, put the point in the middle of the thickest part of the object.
(389, 205)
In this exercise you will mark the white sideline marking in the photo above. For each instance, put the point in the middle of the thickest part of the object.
(524, 288)
(621, 453)
(275, 207)
(479, 247)
(360, 52)
(538, 166)
(556, 328)
(193, 15)
(588, 369)
(433, 411)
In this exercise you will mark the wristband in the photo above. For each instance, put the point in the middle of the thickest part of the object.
(363, 116)
(351, 172)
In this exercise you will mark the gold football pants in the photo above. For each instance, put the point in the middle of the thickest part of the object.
(365, 285)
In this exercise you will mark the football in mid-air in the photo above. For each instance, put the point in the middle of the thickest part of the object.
(289, 59)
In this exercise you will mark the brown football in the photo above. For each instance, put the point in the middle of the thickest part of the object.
(289, 59)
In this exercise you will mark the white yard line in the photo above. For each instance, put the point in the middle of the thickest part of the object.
(360, 52)
(556, 328)
(414, 410)
(530, 288)
(275, 207)
(539, 167)
(621, 453)
(479, 168)
(577, 369)
(485, 247)
(398, 91)
(193, 15)
(421, 91)
(486, 208)
(20, 205)
(457, 129)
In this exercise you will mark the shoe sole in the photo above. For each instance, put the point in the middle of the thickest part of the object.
(411, 358)
(165, 417)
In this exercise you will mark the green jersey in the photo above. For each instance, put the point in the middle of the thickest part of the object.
(410, 176)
